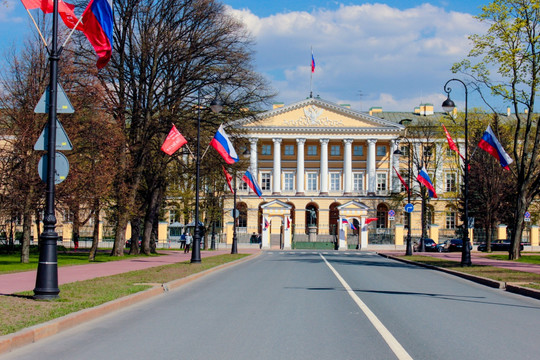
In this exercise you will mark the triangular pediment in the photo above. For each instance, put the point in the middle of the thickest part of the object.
(276, 204)
(353, 205)
(315, 113)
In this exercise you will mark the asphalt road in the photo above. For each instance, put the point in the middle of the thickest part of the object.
(311, 305)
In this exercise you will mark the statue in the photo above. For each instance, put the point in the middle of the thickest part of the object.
(312, 217)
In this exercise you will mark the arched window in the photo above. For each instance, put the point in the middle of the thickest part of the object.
(242, 216)
(334, 218)
(382, 216)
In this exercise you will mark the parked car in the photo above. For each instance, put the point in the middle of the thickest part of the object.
(499, 245)
(429, 244)
(454, 245)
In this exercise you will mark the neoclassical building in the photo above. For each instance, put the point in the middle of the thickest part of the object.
(316, 163)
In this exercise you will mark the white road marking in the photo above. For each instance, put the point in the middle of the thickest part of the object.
(396, 347)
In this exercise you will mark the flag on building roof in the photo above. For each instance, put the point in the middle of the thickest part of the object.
(65, 10)
(451, 142)
(490, 144)
(252, 183)
(312, 62)
(98, 28)
(424, 179)
(228, 177)
(224, 147)
(401, 179)
(173, 141)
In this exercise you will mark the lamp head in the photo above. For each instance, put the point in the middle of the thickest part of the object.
(398, 152)
(448, 105)
(216, 105)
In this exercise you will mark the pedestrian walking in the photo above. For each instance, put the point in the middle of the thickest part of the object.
(188, 243)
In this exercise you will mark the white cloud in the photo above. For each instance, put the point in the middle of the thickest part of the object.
(394, 57)
(7, 10)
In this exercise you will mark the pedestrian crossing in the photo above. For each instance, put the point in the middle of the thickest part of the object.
(328, 253)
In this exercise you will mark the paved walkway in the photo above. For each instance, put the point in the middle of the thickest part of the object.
(478, 259)
(25, 281)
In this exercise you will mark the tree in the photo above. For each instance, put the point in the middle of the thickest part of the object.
(164, 53)
(511, 47)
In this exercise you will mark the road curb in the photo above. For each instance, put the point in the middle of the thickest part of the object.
(513, 288)
(37, 332)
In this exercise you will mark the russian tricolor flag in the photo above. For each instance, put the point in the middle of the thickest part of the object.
(224, 147)
(345, 221)
(252, 183)
(424, 179)
(98, 28)
(490, 144)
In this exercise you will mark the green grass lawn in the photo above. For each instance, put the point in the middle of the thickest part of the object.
(20, 311)
(528, 259)
(11, 262)
(511, 276)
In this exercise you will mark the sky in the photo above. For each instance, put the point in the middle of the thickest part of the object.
(390, 54)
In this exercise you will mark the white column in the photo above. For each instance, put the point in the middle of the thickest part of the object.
(342, 235)
(394, 163)
(347, 167)
(364, 235)
(300, 167)
(371, 164)
(276, 184)
(253, 159)
(265, 241)
(286, 234)
(324, 166)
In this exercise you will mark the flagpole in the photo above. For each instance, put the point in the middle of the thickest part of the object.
(234, 247)
(47, 272)
(311, 76)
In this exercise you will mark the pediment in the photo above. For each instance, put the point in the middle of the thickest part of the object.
(276, 205)
(353, 206)
(317, 113)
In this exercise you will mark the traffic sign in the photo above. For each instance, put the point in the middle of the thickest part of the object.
(61, 166)
(235, 213)
(409, 208)
(391, 213)
(63, 105)
(391, 218)
(527, 216)
(62, 140)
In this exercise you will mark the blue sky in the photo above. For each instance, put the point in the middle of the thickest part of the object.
(393, 54)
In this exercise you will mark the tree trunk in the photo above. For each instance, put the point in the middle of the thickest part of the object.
(151, 213)
(135, 234)
(521, 208)
(25, 248)
(95, 233)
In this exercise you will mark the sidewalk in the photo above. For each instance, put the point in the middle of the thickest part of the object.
(26, 281)
(476, 259)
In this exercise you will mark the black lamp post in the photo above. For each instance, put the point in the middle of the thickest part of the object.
(408, 251)
(216, 106)
(448, 106)
(234, 248)
(47, 272)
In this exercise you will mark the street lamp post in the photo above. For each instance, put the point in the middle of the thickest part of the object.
(216, 106)
(448, 106)
(234, 248)
(47, 272)
(408, 251)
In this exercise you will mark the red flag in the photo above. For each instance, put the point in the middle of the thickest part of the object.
(401, 179)
(368, 220)
(173, 142)
(451, 142)
(65, 10)
(228, 177)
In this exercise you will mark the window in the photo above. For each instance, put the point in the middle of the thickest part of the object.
(451, 182)
(449, 152)
(312, 150)
(381, 182)
(405, 150)
(450, 220)
(405, 176)
(289, 149)
(288, 181)
(172, 216)
(242, 185)
(265, 181)
(358, 182)
(242, 215)
(266, 150)
(428, 151)
(381, 150)
(335, 150)
(335, 181)
(358, 150)
(312, 181)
